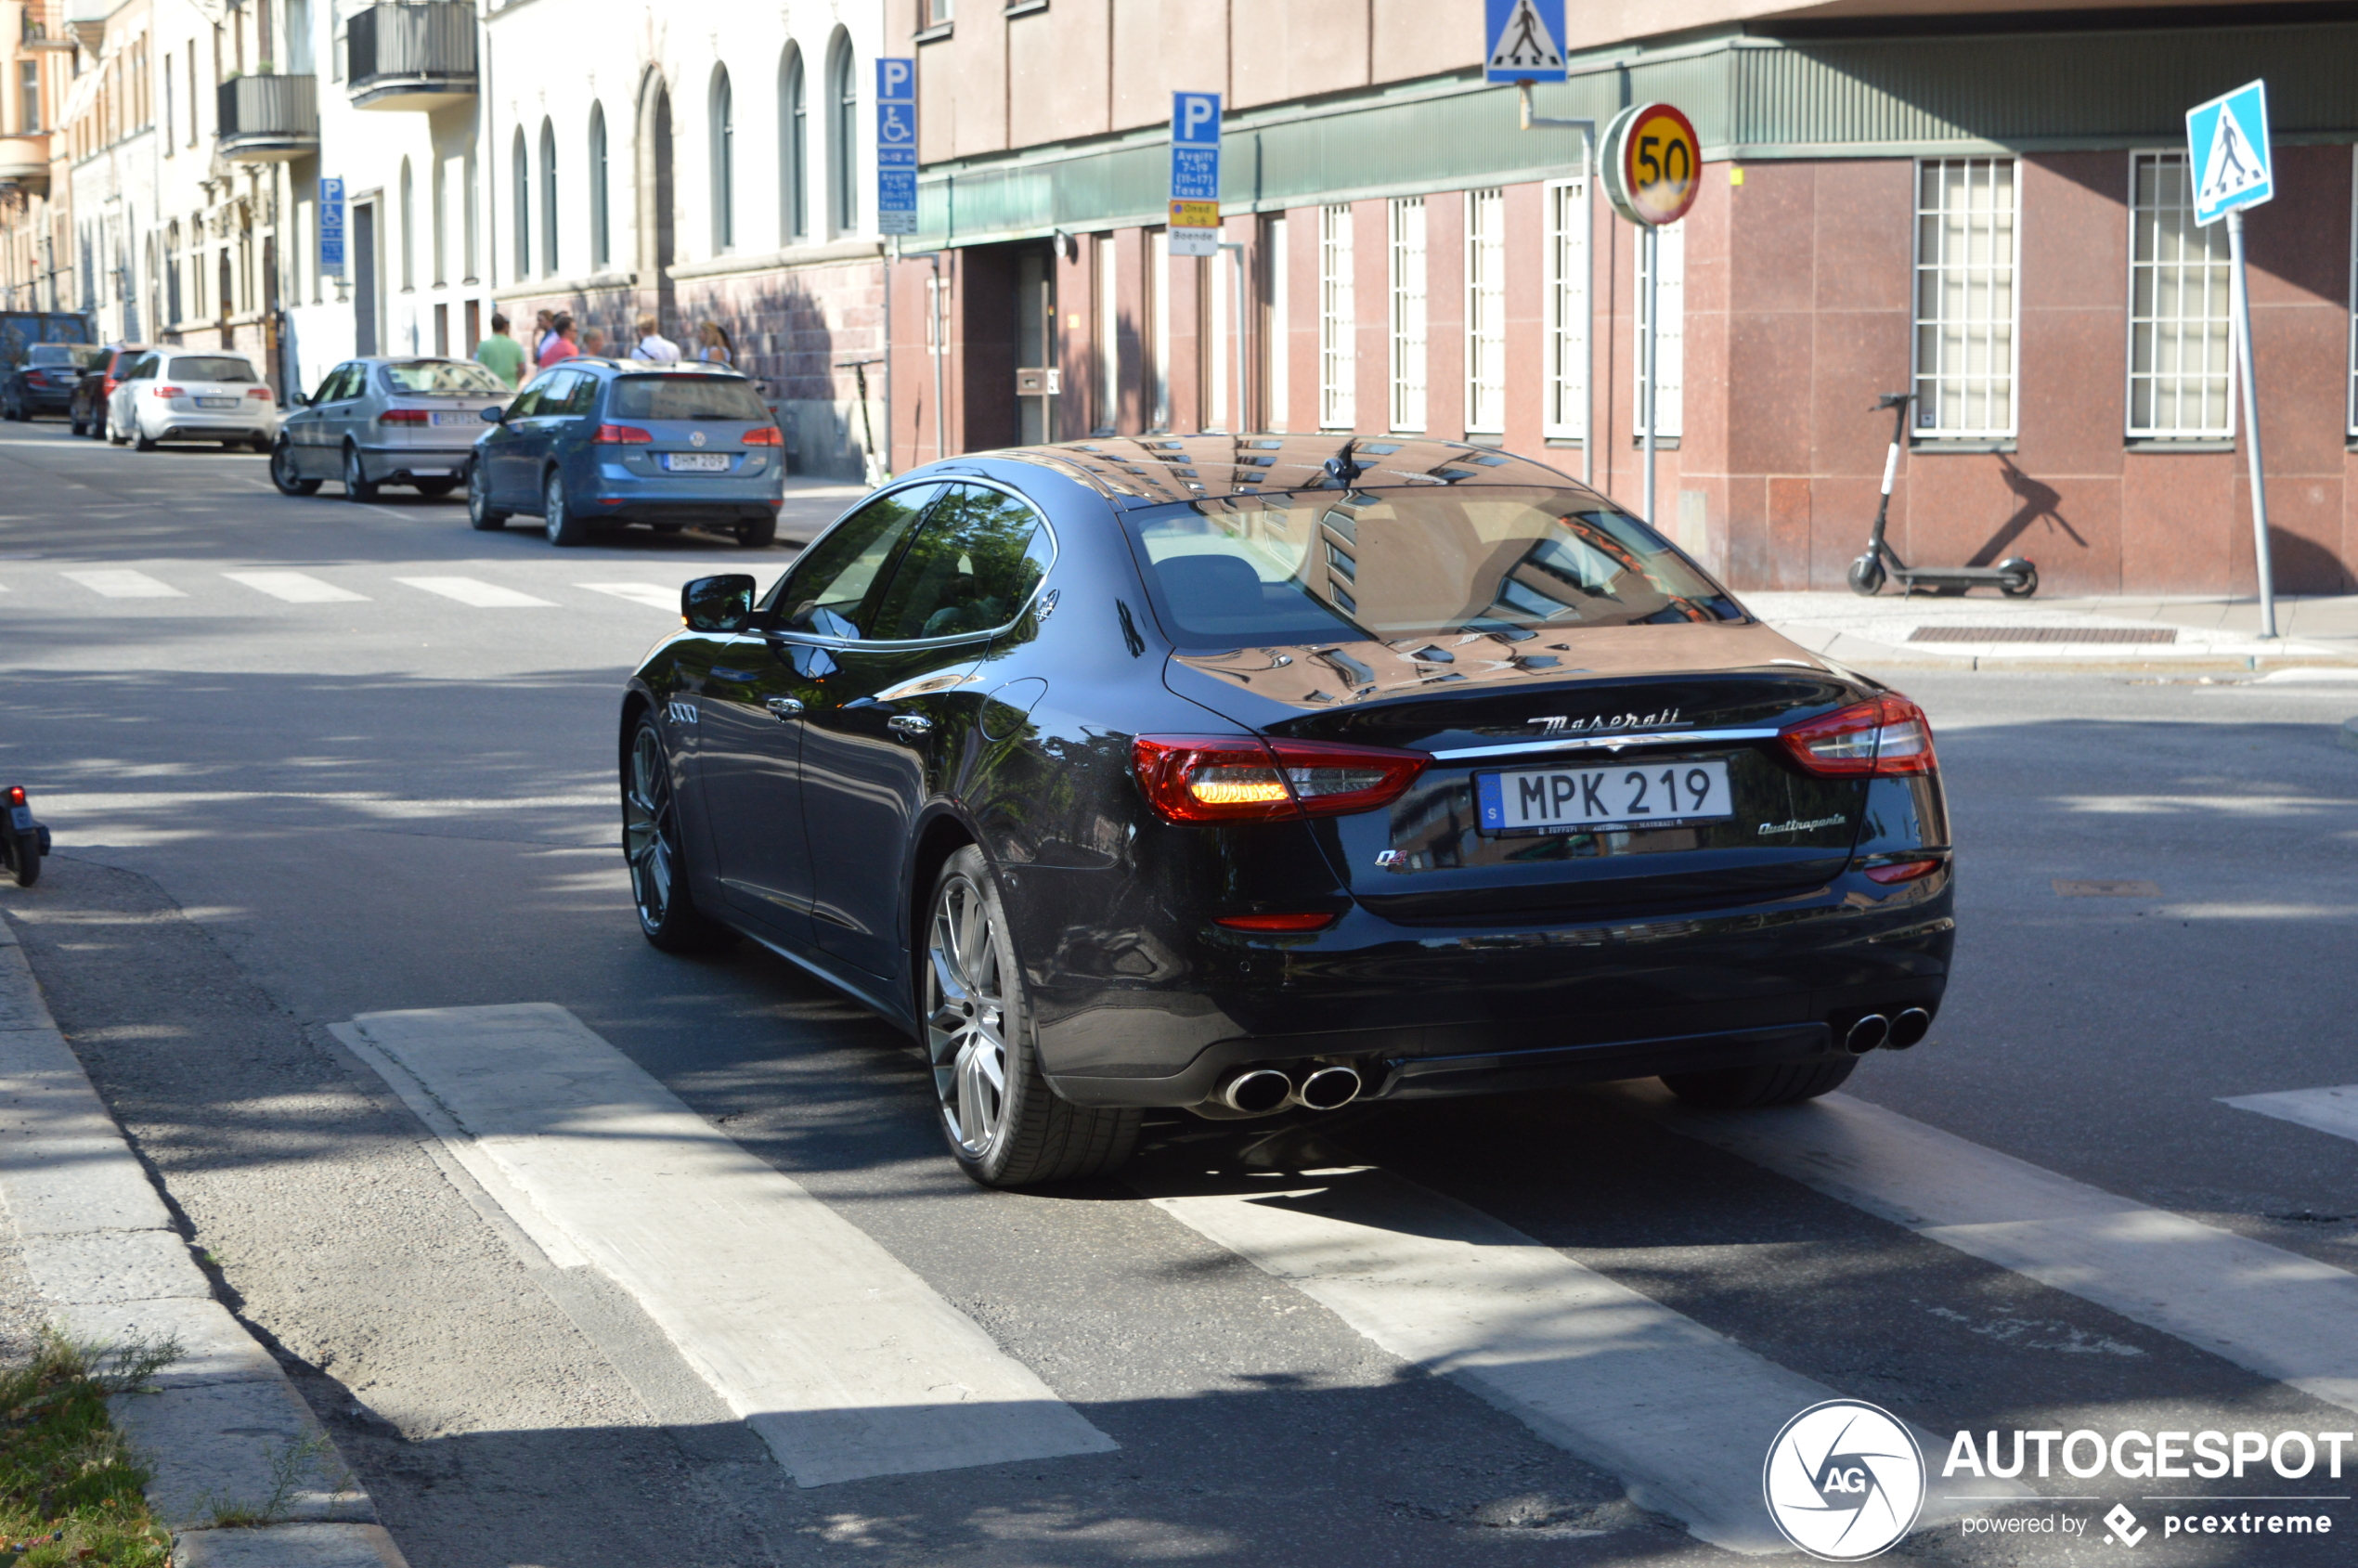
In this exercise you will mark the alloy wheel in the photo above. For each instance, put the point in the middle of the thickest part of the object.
(966, 1018)
(649, 826)
(552, 512)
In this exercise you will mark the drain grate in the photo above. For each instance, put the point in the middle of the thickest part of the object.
(2044, 634)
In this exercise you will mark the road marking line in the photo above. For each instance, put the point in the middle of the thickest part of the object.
(1683, 1416)
(846, 1362)
(2327, 1110)
(2270, 1311)
(654, 595)
(296, 588)
(481, 594)
(124, 583)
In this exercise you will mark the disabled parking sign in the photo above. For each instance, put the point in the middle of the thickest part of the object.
(2228, 152)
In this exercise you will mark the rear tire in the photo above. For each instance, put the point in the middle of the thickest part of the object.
(25, 858)
(357, 487)
(564, 527)
(1746, 1088)
(481, 515)
(1005, 1127)
(651, 847)
(1866, 575)
(757, 533)
(283, 475)
(2021, 579)
(140, 440)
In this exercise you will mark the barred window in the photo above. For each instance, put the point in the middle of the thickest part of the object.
(1408, 224)
(1967, 250)
(1338, 322)
(1486, 311)
(1567, 412)
(2180, 342)
(1670, 344)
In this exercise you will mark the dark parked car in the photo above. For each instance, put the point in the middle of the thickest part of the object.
(593, 441)
(1242, 775)
(94, 395)
(44, 381)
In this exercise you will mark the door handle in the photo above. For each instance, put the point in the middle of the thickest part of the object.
(782, 708)
(909, 723)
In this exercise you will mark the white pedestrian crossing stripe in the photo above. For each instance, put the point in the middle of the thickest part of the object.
(654, 595)
(2326, 1110)
(474, 591)
(2273, 1312)
(124, 583)
(840, 1356)
(296, 588)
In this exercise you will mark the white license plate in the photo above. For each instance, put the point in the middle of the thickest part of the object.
(696, 462)
(458, 419)
(1621, 795)
(216, 402)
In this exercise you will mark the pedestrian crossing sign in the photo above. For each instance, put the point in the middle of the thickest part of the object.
(2228, 154)
(1523, 39)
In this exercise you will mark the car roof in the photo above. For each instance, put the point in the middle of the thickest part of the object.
(649, 366)
(1154, 469)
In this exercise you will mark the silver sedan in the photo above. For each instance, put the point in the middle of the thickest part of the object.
(384, 420)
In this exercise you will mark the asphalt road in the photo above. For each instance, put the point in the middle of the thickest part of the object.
(386, 782)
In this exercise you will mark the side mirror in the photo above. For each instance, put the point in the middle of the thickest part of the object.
(298, 400)
(495, 415)
(722, 603)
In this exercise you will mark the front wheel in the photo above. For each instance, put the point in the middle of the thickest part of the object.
(481, 515)
(357, 487)
(668, 913)
(559, 521)
(1005, 1127)
(2021, 578)
(285, 476)
(1746, 1088)
(1866, 575)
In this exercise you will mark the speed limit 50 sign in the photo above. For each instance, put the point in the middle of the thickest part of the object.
(1653, 164)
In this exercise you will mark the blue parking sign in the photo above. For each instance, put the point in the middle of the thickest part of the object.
(331, 227)
(895, 145)
(1195, 174)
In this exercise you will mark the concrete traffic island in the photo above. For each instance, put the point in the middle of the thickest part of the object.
(243, 1472)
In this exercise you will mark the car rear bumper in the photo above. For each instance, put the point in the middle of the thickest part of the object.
(178, 425)
(704, 498)
(383, 464)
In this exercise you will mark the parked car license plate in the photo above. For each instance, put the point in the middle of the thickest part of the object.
(1620, 795)
(458, 419)
(696, 462)
(216, 402)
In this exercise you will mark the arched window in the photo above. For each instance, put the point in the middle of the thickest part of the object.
(524, 207)
(724, 162)
(548, 197)
(794, 149)
(843, 136)
(601, 235)
(408, 228)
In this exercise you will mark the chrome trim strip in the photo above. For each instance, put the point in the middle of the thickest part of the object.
(1606, 743)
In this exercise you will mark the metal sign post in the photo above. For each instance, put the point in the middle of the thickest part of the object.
(1195, 174)
(1653, 169)
(2232, 166)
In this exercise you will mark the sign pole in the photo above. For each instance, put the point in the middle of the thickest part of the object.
(2251, 427)
(1653, 242)
(1650, 165)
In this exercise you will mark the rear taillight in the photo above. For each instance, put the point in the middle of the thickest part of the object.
(261, 392)
(112, 385)
(404, 416)
(765, 435)
(38, 378)
(16, 795)
(171, 392)
(622, 435)
(1278, 923)
(1244, 778)
(1902, 871)
(1877, 738)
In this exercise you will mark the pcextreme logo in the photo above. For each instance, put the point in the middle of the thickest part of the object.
(1844, 1481)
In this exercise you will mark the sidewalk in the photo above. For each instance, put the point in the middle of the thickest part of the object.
(1983, 631)
(226, 1434)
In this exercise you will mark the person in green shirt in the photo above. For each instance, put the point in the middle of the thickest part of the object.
(500, 354)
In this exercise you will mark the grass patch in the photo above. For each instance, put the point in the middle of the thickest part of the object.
(69, 1492)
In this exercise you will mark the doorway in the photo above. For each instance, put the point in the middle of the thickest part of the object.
(364, 277)
(1006, 306)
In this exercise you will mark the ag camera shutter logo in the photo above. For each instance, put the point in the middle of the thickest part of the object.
(1844, 1481)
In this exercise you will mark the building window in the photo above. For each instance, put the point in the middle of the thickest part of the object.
(1967, 250)
(843, 92)
(1216, 336)
(1486, 312)
(2180, 343)
(1670, 254)
(523, 208)
(1407, 274)
(1108, 338)
(724, 162)
(1276, 325)
(793, 149)
(600, 220)
(441, 228)
(171, 104)
(1338, 322)
(408, 228)
(1159, 287)
(28, 96)
(467, 223)
(939, 13)
(1567, 392)
(548, 197)
(2353, 298)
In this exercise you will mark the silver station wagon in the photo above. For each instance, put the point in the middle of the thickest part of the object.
(386, 421)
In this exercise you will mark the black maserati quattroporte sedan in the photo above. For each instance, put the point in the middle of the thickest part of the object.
(1246, 774)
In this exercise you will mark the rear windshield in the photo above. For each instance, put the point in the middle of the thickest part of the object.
(210, 368)
(1325, 565)
(451, 377)
(686, 397)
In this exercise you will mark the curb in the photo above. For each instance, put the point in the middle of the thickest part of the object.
(223, 1426)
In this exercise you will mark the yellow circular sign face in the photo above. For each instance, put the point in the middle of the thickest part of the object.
(1661, 164)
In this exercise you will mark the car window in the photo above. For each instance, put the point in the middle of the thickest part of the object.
(210, 368)
(826, 588)
(442, 378)
(330, 388)
(528, 402)
(50, 354)
(146, 369)
(970, 569)
(686, 396)
(547, 393)
(581, 397)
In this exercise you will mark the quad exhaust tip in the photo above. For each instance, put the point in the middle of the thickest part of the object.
(1908, 1028)
(1256, 1093)
(1329, 1088)
(1868, 1032)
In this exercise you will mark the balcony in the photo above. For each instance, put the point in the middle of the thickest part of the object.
(24, 163)
(270, 119)
(411, 55)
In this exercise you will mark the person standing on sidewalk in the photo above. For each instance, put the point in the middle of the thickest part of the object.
(559, 345)
(500, 354)
(713, 345)
(653, 345)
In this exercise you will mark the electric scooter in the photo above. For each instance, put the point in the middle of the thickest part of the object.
(2015, 578)
(23, 841)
